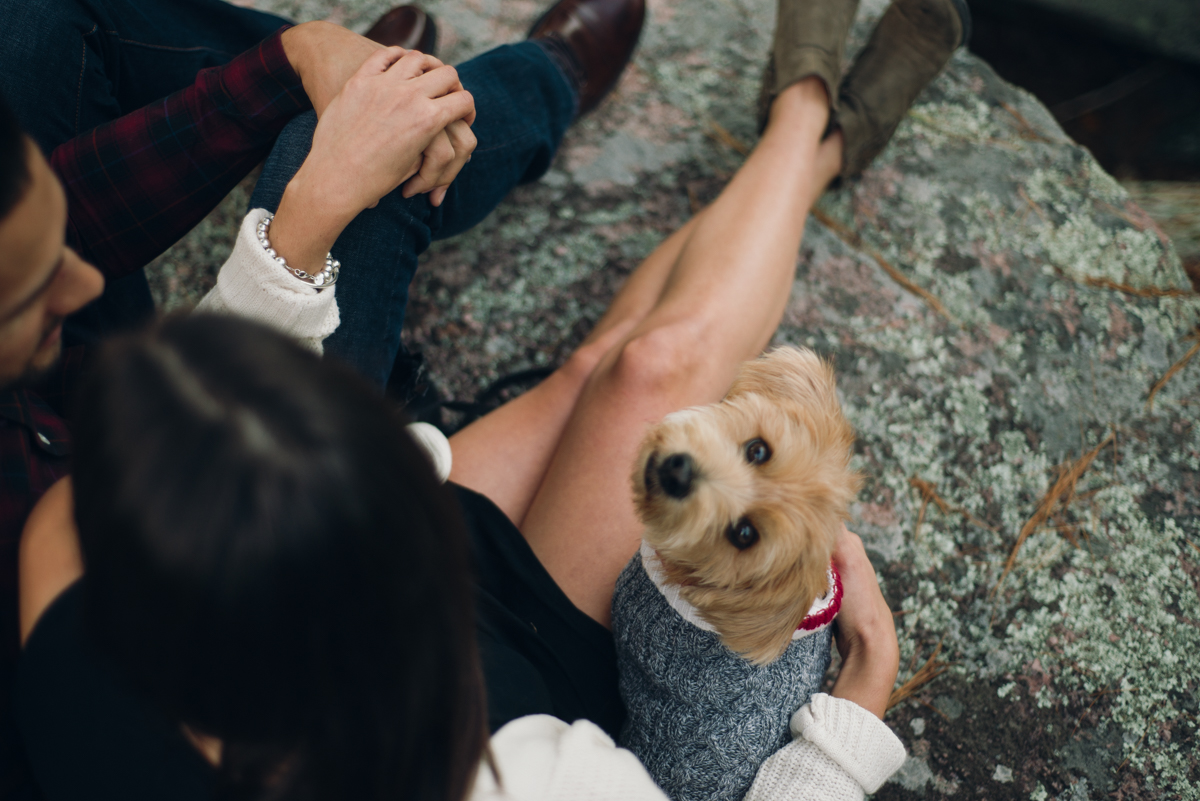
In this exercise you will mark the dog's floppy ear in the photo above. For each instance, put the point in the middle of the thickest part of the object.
(788, 373)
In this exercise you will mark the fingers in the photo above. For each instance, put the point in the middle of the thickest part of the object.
(414, 64)
(462, 138)
(438, 156)
(458, 105)
(439, 81)
(449, 152)
(849, 553)
(381, 61)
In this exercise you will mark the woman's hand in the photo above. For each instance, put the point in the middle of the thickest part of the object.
(865, 632)
(369, 141)
(446, 155)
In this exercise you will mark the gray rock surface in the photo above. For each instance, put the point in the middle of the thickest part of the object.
(998, 311)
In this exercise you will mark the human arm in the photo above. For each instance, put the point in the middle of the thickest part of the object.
(49, 559)
(326, 56)
(137, 184)
(866, 635)
(369, 141)
(375, 135)
(842, 749)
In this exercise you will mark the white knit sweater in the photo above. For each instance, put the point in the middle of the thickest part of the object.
(840, 751)
(252, 284)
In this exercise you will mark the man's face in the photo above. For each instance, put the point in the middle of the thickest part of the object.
(41, 280)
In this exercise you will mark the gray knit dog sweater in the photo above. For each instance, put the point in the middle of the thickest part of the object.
(701, 718)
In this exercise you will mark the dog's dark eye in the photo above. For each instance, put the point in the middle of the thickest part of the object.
(757, 451)
(742, 534)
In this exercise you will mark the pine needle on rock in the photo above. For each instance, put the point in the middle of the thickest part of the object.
(1058, 498)
(855, 241)
(1175, 368)
(929, 493)
(929, 671)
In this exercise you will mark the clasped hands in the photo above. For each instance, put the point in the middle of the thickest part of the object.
(387, 118)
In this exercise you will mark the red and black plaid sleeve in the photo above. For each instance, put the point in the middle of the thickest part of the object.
(137, 184)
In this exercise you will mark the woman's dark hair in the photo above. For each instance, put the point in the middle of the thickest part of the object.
(270, 557)
(14, 159)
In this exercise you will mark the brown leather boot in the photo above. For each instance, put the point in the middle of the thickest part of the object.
(408, 27)
(600, 35)
(908, 48)
(810, 40)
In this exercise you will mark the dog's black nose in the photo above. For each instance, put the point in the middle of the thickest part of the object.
(675, 475)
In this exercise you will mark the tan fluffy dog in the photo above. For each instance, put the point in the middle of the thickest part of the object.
(743, 500)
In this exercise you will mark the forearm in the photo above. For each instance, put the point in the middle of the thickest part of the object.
(136, 185)
(866, 631)
(369, 141)
(868, 673)
(308, 221)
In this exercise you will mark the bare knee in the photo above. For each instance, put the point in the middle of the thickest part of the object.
(662, 360)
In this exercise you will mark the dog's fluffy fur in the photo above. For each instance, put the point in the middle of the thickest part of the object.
(797, 499)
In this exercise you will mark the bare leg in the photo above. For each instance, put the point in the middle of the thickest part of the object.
(719, 306)
(523, 434)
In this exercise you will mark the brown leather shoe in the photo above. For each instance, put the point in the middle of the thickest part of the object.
(408, 27)
(601, 34)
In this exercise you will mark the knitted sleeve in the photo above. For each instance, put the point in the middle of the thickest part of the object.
(541, 758)
(840, 753)
(251, 284)
(435, 445)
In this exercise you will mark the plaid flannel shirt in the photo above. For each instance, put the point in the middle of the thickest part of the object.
(134, 186)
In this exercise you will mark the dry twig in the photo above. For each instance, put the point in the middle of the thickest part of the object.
(1121, 767)
(1175, 368)
(722, 135)
(1140, 291)
(1025, 196)
(929, 671)
(929, 493)
(855, 241)
(1028, 131)
(923, 702)
(1063, 491)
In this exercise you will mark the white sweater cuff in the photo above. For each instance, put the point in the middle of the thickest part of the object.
(252, 284)
(436, 447)
(860, 743)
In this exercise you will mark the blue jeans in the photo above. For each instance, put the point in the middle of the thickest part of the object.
(523, 105)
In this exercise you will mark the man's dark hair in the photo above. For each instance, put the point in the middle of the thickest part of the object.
(14, 162)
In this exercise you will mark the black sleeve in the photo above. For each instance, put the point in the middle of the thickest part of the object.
(87, 736)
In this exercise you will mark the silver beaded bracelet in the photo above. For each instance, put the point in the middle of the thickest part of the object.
(325, 278)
